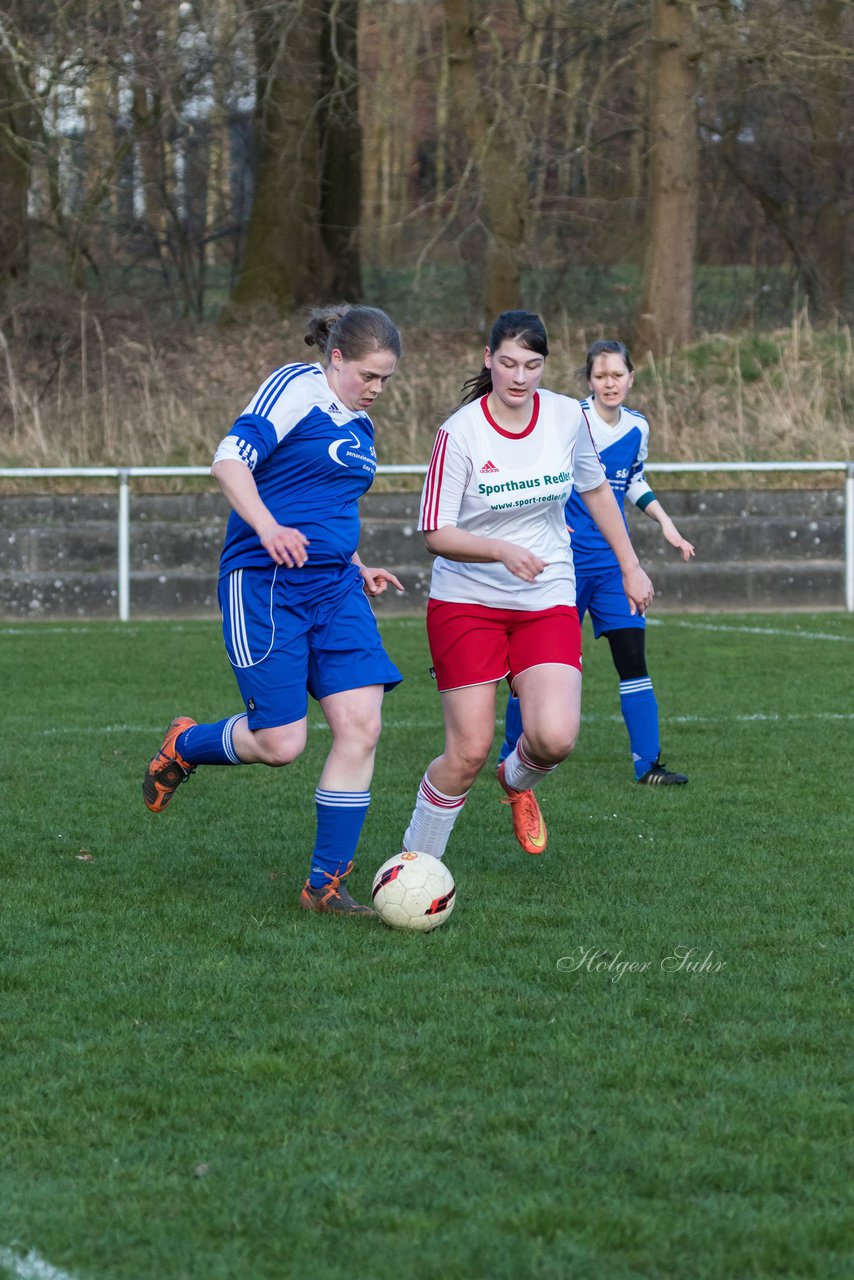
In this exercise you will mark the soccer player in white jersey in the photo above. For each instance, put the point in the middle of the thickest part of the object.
(502, 595)
(621, 437)
(292, 590)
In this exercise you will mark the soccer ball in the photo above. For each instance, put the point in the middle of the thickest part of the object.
(413, 891)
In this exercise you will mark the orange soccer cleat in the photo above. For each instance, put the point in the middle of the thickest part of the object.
(167, 770)
(529, 827)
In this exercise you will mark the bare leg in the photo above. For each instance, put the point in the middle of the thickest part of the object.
(276, 746)
(550, 697)
(355, 718)
(469, 728)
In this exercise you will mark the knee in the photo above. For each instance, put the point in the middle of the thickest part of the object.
(359, 734)
(278, 757)
(468, 759)
(278, 747)
(369, 731)
(551, 746)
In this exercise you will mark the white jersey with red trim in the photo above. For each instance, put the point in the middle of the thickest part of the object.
(499, 485)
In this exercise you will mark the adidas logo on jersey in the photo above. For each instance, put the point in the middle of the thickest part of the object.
(488, 469)
(333, 408)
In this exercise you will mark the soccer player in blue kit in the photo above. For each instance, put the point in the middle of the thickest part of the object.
(293, 592)
(621, 437)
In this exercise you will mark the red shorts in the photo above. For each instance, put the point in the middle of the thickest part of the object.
(473, 644)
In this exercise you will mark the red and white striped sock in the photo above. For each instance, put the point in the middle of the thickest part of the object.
(521, 773)
(432, 820)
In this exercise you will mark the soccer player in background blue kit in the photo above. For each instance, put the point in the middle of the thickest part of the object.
(621, 437)
(292, 589)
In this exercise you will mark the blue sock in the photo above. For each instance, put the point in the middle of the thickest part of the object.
(340, 818)
(640, 712)
(512, 727)
(210, 743)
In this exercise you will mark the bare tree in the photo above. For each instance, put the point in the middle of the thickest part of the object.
(16, 131)
(781, 104)
(341, 149)
(665, 314)
(494, 157)
(517, 142)
(302, 242)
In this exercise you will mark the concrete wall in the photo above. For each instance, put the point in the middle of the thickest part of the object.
(755, 550)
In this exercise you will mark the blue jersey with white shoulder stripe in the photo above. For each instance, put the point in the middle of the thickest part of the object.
(311, 458)
(622, 449)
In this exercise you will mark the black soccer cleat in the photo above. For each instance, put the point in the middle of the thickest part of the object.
(659, 776)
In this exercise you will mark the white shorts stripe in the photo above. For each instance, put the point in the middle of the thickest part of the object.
(238, 626)
(235, 610)
(242, 646)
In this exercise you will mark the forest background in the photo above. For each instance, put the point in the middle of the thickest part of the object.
(179, 181)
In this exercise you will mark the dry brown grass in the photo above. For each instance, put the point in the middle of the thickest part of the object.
(103, 391)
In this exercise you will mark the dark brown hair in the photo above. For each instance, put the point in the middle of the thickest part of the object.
(608, 347)
(516, 326)
(355, 331)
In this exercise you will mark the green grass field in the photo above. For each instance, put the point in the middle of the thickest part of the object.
(200, 1082)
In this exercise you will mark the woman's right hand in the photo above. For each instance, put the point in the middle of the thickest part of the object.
(285, 546)
(521, 562)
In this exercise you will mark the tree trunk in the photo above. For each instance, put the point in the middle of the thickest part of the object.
(15, 165)
(99, 158)
(665, 315)
(487, 126)
(285, 262)
(341, 184)
(832, 186)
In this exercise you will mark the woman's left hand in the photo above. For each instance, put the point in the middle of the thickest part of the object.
(375, 581)
(674, 537)
(638, 589)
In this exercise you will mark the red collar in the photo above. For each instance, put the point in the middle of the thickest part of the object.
(513, 435)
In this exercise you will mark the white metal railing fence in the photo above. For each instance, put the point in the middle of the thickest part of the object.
(124, 475)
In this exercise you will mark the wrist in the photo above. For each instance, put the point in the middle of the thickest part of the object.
(265, 526)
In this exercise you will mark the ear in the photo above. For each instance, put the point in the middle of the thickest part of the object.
(336, 357)
(631, 379)
(487, 358)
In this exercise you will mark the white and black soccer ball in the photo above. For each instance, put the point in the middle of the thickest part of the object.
(413, 891)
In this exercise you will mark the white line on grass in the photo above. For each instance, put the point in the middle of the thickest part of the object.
(41, 629)
(123, 629)
(91, 730)
(749, 631)
(32, 1267)
(773, 716)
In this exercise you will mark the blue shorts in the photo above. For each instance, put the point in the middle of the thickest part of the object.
(288, 639)
(601, 595)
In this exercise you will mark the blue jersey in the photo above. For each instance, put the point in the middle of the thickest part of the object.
(311, 459)
(622, 450)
